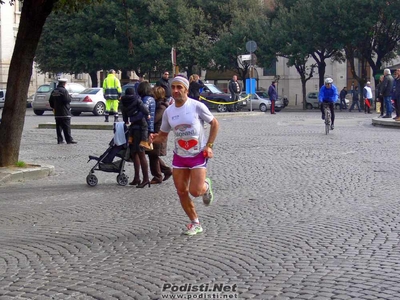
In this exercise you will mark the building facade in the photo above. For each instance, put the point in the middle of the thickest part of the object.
(9, 22)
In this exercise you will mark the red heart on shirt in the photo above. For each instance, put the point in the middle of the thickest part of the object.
(187, 144)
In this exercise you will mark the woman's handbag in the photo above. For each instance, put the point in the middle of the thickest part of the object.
(378, 106)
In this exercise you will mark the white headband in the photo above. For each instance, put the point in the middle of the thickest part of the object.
(182, 80)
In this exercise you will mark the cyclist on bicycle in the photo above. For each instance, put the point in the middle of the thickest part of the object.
(328, 94)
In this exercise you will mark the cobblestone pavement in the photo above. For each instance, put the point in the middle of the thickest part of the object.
(299, 215)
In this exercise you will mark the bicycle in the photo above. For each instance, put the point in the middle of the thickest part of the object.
(327, 117)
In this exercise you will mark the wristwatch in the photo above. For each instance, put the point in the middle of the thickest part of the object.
(210, 145)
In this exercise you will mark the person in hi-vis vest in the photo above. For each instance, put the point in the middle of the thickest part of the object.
(112, 93)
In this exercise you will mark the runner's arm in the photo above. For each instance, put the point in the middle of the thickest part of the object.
(158, 138)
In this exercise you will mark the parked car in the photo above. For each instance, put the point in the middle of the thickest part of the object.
(89, 100)
(132, 85)
(281, 102)
(128, 85)
(255, 102)
(40, 103)
(258, 101)
(2, 98)
(312, 101)
(29, 100)
(212, 93)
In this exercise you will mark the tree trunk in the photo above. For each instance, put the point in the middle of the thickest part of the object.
(304, 92)
(321, 72)
(93, 78)
(33, 17)
(190, 71)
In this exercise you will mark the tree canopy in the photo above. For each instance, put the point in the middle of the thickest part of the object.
(94, 39)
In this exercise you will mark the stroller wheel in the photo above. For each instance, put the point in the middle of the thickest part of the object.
(122, 179)
(91, 180)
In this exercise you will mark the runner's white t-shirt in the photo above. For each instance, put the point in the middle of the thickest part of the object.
(187, 124)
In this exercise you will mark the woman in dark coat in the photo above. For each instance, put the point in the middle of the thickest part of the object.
(195, 84)
(157, 165)
(131, 107)
(379, 98)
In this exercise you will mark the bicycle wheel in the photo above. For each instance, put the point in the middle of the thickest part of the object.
(327, 120)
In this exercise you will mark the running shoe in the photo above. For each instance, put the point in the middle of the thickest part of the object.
(208, 196)
(193, 229)
(332, 127)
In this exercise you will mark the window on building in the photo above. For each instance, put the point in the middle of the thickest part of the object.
(271, 70)
(18, 6)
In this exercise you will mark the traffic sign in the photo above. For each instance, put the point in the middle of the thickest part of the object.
(251, 46)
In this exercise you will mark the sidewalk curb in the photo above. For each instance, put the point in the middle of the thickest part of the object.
(385, 122)
(16, 174)
(110, 126)
(87, 126)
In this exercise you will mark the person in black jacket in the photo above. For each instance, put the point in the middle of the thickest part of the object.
(163, 82)
(396, 93)
(234, 89)
(195, 84)
(342, 97)
(385, 91)
(134, 111)
(379, 98)
(356, 99)
(60, 101)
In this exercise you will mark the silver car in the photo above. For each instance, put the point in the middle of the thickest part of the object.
(258, 102)
(255, 102)
(312, 101)
(40, 103)
(89, 100)
(2, 98)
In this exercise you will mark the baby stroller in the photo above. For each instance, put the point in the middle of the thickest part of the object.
(118, 147)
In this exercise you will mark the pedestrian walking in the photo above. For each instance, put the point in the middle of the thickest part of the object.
(356, 99)
(112, 92)
(60, 101)
(342, 97)
(368, 100)
(192, 149)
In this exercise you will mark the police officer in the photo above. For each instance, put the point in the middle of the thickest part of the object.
(60, 101)
(112, 93)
